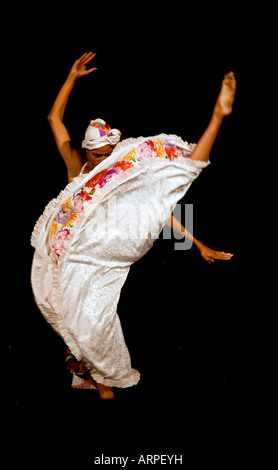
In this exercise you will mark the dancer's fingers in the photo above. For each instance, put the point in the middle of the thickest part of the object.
(218, 255)
(82, 58)
(85, 58)
(89, 57)
(224, 256)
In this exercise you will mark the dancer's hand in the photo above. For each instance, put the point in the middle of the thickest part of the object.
(79, 68)
(210, 255)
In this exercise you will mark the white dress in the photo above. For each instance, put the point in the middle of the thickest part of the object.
(89, 236)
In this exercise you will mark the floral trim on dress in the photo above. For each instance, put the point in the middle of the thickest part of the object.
(72, 207)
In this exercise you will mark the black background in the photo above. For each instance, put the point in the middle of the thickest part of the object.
(199, 334)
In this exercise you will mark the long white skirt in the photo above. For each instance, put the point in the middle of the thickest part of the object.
(78, 295)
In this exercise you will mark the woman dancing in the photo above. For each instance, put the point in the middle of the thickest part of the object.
(84, 245)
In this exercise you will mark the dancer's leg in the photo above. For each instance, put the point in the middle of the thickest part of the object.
(223, 107)
(106, 393)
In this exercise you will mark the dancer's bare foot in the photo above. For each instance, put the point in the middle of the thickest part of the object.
(106, 393)
(225, 100)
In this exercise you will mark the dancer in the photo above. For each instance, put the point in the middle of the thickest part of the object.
(84, 243)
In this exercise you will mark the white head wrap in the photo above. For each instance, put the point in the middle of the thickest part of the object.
(99, 134)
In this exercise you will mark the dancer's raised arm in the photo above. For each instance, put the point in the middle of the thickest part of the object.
(70, 155)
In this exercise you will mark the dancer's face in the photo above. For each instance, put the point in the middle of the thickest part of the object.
(98, 155)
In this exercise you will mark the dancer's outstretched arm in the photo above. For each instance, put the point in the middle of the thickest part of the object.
(71, 156)
(223, 107)
(207, 253)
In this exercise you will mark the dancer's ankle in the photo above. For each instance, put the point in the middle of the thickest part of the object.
(106, 393)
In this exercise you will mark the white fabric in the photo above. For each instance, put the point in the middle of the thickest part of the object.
(79, 295)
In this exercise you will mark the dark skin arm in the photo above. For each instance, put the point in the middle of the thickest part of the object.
(207, 253)
(71, 156)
